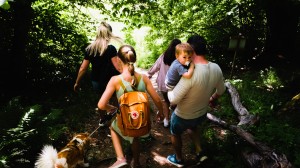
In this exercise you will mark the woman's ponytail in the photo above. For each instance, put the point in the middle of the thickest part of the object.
(128, 56)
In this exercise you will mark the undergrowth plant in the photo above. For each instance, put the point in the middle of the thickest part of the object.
(260, 94)
(49, 122)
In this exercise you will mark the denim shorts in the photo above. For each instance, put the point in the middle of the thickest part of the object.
(179, 125)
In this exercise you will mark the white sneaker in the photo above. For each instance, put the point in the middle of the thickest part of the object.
(166, 123)
(119, 163)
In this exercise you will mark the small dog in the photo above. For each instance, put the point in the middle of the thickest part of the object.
(69, 157)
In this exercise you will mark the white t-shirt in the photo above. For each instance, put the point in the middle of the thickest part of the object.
(192, 95)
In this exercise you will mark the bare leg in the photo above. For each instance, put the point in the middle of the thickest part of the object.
(177, 144)
(166, 105)
(117, 144)
(166, 110)
(135, 152)
(195, 136)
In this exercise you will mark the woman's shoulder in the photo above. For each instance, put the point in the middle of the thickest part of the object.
(139, 75)
(116, 79)
(144, 78)
(112, 50)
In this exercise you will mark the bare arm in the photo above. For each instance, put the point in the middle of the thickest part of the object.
(180, 90)
(220, 89)
(155, 97)
(116, 63)
(103, 103)
(155, 67)
(190, 71)
(82, 70)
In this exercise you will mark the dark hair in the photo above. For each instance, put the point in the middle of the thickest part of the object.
(128, 56)
(169, 54)
(198, 43)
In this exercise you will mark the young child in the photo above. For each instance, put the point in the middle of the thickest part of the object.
(181, 67)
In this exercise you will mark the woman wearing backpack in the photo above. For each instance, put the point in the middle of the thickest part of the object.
(129, 79)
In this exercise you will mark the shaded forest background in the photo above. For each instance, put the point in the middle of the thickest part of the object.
(42, 44)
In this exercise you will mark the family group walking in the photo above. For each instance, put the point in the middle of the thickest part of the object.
(187, 84)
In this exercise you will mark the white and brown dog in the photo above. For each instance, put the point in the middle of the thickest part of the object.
(69, 157)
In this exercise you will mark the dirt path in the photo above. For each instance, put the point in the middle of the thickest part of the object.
(154, 149)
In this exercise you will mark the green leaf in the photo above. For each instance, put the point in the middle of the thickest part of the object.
(5, 5)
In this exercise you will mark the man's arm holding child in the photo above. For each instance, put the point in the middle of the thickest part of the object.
(180, 90)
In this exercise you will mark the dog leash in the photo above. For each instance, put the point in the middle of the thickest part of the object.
(94, 130)
(102, 121)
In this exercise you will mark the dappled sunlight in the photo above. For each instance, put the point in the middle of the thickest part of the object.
(269, 79)
(26, 118)
(161, 160)
(159, 134)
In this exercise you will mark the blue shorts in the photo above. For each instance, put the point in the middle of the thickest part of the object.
(179, 125)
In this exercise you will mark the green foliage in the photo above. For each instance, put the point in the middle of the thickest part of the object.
(36, 122)
(226, 145)
(217, 21)
(5, 5)
(15, 140)
(11, 113)
(58, 39)
(274, 129)
(281, 136)
(60, 31)
(257, 97)
(269, 79)
(49, 122)
(129, 38)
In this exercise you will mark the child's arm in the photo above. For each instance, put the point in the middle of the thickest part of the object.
(190, 71)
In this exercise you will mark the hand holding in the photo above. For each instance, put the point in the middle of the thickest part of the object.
(213, 102)
(76, 87)
(149, 76)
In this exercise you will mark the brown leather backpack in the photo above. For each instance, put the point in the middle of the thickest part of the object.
(134, 117)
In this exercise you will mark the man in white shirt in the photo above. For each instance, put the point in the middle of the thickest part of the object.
(192, 97)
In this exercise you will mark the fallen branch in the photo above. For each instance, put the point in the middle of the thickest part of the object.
(265, 158)
(244, 116)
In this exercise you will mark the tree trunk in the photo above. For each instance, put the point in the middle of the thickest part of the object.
(244, 116)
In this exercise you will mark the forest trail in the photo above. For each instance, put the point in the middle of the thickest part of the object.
(154, 149)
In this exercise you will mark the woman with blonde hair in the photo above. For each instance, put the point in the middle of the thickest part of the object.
(103, 57)
(128, 79)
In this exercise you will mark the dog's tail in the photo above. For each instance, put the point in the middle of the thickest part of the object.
(47, 157)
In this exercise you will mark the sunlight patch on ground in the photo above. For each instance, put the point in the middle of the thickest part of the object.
(156, 133)
(161, 160)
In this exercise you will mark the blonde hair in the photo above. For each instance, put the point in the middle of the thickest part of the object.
(103, 38)
(183, 47)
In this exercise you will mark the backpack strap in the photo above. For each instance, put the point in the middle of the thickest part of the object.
(123, 86)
